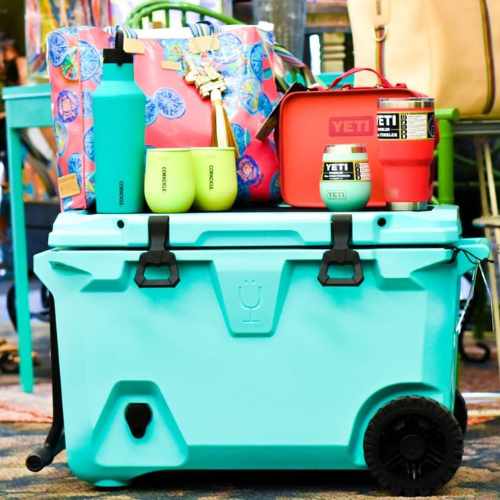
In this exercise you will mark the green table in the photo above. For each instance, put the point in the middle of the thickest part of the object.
(25, 107)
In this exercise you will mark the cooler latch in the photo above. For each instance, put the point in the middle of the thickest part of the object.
(341, 254)
(157, 255)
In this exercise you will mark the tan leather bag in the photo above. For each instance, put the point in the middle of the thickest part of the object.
(446, 49)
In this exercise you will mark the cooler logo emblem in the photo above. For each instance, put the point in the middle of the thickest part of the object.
(250, 299)
(351, 125)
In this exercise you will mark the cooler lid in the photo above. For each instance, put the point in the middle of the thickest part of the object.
(279, 227)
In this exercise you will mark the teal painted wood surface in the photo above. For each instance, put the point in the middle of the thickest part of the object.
(27, 106)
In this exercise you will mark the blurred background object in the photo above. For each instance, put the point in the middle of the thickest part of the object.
(44, 16)
(121, 9)
(288, 18)
(39, 165)
(326, 39)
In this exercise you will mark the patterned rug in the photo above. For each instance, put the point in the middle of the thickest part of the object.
(17, 406)
(478, 478)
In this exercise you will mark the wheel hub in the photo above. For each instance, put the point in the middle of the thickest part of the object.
(412, 447)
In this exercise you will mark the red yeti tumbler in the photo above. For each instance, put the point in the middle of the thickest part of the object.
(406, 150)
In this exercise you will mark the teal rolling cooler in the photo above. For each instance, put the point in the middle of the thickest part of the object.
(283, 339)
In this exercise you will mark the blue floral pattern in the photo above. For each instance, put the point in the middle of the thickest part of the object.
(170, 104)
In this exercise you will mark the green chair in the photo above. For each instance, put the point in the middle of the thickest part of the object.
(446, 119)
(146, 10)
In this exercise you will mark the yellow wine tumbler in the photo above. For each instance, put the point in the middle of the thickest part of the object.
(215, 179)
(169, 181)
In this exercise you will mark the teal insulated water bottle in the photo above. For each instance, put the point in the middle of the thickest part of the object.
(119, 110)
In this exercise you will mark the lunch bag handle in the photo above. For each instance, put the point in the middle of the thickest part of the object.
(383, 81)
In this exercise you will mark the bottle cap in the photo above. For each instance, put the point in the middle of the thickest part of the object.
(117, 55)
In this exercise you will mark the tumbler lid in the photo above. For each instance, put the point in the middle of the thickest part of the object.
(410, 102)
(345, 148)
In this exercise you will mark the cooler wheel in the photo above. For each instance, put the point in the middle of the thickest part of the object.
(413, 446)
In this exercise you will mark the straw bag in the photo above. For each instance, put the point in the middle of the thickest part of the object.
(447, 49)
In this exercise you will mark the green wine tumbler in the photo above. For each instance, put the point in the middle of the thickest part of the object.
(345, 184)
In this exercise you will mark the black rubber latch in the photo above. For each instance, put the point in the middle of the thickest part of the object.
(341, 254)
(138, 417)
(157, 255)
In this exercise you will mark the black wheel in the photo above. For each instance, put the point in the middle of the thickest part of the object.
(460, 411)
(9, 364)
(483, 357)
(11, 306)
(413, 446)
(44, 296)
